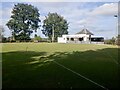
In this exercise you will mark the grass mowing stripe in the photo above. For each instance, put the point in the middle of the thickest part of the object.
(81, 76)
(107, 54)
(112, 58)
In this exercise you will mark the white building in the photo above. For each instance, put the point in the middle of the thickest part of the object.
(83, 36)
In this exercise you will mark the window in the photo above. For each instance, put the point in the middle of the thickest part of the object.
(81, 39)
(97, 39)
(67, 39)
(72, 39)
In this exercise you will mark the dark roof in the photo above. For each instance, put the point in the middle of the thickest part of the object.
(85, 31)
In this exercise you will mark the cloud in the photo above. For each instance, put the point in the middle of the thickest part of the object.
(107, 9)
(99, 19)
(77, 14)
(34, 0)
(83, 22)
(87, 21)
(70, 11)
(6, 12)
(0, 13)
(59, 0)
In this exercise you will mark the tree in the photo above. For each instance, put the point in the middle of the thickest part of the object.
(54, 24)
(1, 30)
(38, 38)
(118, 40)
(113, 40)
(110, 41)
(1, 33)
(24, 19)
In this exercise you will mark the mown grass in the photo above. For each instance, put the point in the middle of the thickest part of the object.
(31, 65)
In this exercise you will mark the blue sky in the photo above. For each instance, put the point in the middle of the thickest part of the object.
(97, 17)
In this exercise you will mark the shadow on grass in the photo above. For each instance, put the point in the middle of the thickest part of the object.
(37, 69)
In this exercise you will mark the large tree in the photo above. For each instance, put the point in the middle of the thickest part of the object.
(1, 30)
(24, 19)
(54, 24)
(1, 33)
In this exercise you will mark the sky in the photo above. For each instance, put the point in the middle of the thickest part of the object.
(97, 17)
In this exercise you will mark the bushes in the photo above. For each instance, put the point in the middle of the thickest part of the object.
(113, 41)
(110, 41)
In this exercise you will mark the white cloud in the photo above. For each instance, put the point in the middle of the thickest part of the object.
(74, 14)
(94, 22)
(106, 9)
(0, 13)
(59, 1)
(83, 22)
(6, 13)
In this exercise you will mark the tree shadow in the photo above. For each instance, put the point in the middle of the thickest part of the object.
(37, 69)
(102, 65)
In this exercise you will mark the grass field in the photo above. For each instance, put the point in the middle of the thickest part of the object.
(52, 65)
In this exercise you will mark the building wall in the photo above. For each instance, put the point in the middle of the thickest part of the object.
(61, 40)
(76, 39)
(68, 38)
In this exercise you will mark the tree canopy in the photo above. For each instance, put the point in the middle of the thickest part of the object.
(37, 37)
(24, 19)
(1, 31)
(56, 22)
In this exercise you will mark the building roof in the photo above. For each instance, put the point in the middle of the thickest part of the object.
(85, 31)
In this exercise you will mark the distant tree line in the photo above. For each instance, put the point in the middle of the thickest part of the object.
(35, 39)
(25, 20)
(113, 41)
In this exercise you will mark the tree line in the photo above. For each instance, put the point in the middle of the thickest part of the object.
(113, 41)
(25, 20)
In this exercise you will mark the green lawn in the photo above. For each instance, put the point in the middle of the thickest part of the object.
(32, 65)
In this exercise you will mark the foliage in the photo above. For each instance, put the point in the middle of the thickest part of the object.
(56, 22)
(110, 41)
(2, 38)
(24, 19)
(1, 30)
(113, 41)
(118, 40)
(38, 38)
